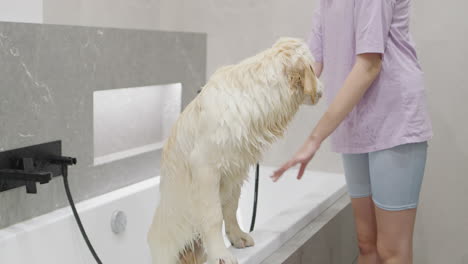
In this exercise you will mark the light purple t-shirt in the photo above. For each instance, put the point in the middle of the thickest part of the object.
(393, 111)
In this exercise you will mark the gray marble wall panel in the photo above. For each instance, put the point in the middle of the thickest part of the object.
(47, 77)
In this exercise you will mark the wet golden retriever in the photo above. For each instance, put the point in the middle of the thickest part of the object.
(241, 110)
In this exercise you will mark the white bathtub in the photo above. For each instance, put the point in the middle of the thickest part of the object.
(283, 209)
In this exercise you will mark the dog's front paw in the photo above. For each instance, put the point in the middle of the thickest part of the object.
(224, 258)
(240, 239)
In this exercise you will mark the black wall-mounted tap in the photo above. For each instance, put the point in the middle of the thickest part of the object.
(25, 176)
(31, 165)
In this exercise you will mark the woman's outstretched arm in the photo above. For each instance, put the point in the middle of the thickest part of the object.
(365, 70)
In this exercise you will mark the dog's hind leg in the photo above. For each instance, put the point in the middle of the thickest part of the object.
(195, 255)
(208, 201)
(167, 238)
(230, 200)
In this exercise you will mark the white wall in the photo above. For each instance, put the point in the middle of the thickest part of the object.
(141, 14)
(29, 11)
(441, 32)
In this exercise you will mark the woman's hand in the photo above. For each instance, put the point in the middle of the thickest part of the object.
(303, 156)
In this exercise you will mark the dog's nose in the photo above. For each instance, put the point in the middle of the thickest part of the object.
(319, 89)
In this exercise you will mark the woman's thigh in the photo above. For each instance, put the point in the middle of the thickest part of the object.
(359, 187)
(357, 175)
(396, 176)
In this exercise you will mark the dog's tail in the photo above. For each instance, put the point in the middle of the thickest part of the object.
(171, 241)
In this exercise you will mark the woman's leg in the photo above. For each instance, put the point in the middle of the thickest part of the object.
(358, 181)
(396, 178)
(366, 229)
(395, 235)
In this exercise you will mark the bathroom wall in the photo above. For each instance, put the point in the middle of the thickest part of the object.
(441, 33)
(48, 74)
(136, 14)
(235, 30)
(21, 11)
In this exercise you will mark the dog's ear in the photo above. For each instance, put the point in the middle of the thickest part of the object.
(309, 83)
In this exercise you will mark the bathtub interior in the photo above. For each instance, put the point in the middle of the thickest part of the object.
(283, 209)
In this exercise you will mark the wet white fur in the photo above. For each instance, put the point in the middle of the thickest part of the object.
(241, 110)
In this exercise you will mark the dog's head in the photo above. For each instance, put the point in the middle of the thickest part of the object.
(297, 61)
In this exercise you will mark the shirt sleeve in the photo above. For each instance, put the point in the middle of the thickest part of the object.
(373, 19)
(315, 37)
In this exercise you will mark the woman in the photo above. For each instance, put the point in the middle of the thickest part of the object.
(377, 114)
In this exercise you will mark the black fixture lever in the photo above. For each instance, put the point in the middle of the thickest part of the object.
(28, 178)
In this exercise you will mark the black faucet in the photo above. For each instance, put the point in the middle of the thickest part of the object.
(28, 176)
(31, 165)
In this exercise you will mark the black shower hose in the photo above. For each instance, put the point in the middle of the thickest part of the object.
(77, 217)
(254, 212)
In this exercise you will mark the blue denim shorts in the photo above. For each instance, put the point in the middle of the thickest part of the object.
(393, 177)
